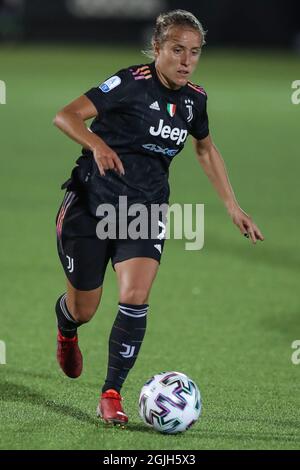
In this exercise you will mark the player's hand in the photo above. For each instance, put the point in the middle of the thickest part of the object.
(107, 159)
(245, 224)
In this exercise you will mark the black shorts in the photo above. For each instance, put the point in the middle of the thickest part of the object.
(83, 255)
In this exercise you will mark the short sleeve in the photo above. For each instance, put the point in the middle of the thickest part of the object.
(200, 128)
(112, 93)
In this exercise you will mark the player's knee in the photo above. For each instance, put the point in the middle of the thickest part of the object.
(83, 312)
(134, 296)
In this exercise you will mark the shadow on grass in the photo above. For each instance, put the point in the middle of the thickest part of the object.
(53, 376)
(35, 375)
(140, 427)
(13, 392)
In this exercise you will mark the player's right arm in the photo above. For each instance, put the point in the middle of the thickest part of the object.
(71, 120)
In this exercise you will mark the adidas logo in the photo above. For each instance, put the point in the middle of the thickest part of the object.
(158, 247)
(155, 106)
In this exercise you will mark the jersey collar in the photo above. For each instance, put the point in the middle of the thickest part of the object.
(166, 90)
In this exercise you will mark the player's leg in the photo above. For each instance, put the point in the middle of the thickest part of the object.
(81, 303)
(84, 258)
(76, 307)
(135, 279)
(73, 309)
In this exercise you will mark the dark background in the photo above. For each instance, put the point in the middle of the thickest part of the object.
(230, 23)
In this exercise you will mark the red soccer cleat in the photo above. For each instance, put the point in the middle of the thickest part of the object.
(110, 408)
(69, 355)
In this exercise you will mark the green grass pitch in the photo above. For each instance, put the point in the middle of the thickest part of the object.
(225, 315)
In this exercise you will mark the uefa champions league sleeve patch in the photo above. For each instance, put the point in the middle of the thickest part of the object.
(110, 84)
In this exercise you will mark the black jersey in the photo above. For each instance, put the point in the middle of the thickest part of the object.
(147, 125)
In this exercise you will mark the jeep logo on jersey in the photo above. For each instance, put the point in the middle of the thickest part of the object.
(110, 84)
(167, 132)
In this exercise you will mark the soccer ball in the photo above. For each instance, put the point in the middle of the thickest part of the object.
(170, 402)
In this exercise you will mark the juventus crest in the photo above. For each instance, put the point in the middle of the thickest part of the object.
(189, 104)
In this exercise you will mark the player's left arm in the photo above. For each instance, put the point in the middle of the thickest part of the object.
(213, 165)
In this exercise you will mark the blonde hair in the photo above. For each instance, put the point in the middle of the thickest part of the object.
(173, 18)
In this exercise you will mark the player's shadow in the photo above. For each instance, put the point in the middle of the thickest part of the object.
(142, 428)
(36, 375)
(13, 392)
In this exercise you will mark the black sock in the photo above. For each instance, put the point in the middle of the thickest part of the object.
(125, 340)
(65, 322)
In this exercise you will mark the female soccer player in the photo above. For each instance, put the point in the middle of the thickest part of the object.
(142, 117)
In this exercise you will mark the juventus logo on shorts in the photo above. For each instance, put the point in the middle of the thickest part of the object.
(70, 266)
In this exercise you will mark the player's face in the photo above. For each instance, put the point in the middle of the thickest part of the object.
(177, 57)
